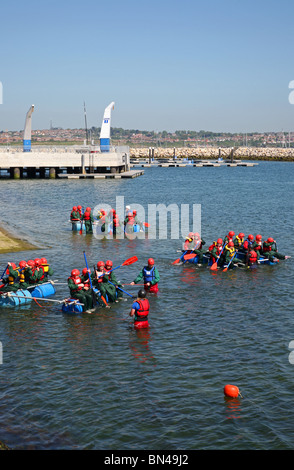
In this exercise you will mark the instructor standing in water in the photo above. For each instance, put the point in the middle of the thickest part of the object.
(150, 275)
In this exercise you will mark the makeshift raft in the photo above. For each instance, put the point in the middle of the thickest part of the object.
(25, 296)
(74, 306)
(207, 260)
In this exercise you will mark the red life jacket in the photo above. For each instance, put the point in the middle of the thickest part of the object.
(131, 220)
(116, 222)
(43, 275)
(143, 311)
(252, 256)
(87, 215)
(265, 249)
(77, 281)
(212, 246)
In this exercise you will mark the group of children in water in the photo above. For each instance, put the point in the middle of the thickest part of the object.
(223, 251)
(101, 286)
(106, 221)
(26, 274)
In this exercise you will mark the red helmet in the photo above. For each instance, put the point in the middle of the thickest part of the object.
(31, 263)
(79, 207)
(74, 208)
(134, 212)
(270, 240)
(219, 241)
(85, 271)
(100, 264)
(88, 209)
(196, 235)
(108, 263)
(258, 237)
(150, 261)
(231, 234)
(250, 237)
(22, 264)
(75, 273)
(13, 265)
(231, 244)
(37, 262)
(44, 261)
(241, 235)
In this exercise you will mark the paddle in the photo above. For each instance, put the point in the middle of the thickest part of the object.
(81, 230)
(179, 259)
(226, 268)
(190, 256)
(127, 262)
(121, 289)
(214, 265)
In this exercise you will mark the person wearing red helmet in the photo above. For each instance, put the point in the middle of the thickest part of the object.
(217, 252)
(270, 250)
(198, 247)
(189, 242)
(100, 281)
(75, 215)
(229, 237)
(88, 220)
(229, 254)
(11, 283)
(239, 240)
(140, 310)
(129, 222)
(150, 275)
(47, 270)
(248, 243)
(77, 291)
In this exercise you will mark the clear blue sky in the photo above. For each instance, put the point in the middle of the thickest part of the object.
(168, 65)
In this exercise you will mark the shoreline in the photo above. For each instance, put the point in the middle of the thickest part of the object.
(207, 153)
(12, 244)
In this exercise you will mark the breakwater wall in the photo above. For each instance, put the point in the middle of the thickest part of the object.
(207, 153)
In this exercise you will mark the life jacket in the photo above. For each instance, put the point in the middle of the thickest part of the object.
(211, 247)
(22, 275)
(100, 276)
(11, 279)
(43, 274)
(131, 220)
(116, 222)
(258, 246)
(149, 275)
(247, 244)
(252, 256)
(87, 215)
(239, 240)
(73, 215)
(143, 311)
(77, 281)
(231, 250)
(265, 248)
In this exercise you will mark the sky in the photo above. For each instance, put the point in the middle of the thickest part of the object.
(221, 66)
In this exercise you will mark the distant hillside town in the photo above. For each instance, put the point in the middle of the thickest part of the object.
(138, 138)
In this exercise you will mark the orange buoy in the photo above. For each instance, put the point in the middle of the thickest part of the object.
(231, 391)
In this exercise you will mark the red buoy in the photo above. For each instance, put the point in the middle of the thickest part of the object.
(231, 391)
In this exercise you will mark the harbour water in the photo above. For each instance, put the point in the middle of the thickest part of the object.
(91, 382)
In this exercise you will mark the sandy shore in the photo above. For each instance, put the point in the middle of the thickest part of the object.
(11, 244)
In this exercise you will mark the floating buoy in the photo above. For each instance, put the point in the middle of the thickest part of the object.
(231, 391)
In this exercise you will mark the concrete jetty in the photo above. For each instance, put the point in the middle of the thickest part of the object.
(57, 162)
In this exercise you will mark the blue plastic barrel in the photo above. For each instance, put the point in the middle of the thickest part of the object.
(42, 290)
(72, 308)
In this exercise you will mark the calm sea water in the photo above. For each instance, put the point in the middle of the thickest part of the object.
(92, 382)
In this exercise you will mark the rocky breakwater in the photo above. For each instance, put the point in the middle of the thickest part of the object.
(212, 153)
